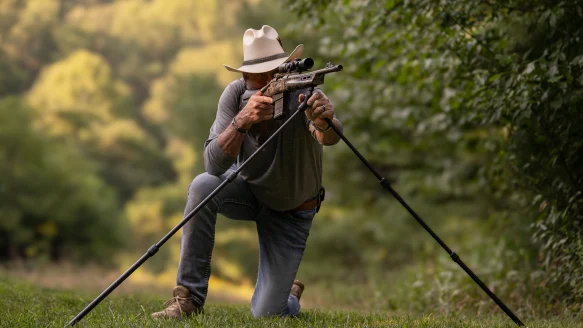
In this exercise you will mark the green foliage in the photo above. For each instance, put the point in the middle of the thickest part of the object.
(183, 102)
(26, 31)
(470, 108)
(480, 97)
(92, 73)
(91, 108)
(12, 77)
(52, 202)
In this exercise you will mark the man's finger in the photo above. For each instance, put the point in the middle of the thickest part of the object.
(314, 97)
(320, 121)
(327, 114)
(317, 111)
(319, 106)
(263, 99)
(320, 93)
(266, 116)
(264, 106)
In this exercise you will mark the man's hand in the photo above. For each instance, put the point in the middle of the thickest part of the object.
(319, 108)
(259, 108)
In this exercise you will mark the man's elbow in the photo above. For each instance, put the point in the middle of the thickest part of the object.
(213, 169)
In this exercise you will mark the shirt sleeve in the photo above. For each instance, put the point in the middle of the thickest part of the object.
(216, 162)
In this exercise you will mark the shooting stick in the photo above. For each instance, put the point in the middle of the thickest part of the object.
(385, 183)
(154, 248)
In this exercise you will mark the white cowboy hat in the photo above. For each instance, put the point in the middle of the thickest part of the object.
(262, 52)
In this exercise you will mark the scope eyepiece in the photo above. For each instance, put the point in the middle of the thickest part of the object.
(297, 65)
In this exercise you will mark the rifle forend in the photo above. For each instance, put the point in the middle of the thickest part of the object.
(284, 83)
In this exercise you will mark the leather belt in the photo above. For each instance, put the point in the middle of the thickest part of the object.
(307, 205)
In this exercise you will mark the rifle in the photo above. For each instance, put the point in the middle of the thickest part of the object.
(290, 78)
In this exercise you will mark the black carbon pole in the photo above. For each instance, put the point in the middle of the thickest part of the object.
(154, 248)
(385, 183)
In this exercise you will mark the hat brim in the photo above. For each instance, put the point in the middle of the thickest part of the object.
(269, 65)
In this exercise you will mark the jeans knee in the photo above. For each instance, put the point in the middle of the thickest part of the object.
(202, 186)
(266, 309)
(261, 311)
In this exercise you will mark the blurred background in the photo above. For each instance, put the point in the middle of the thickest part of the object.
(471, 109)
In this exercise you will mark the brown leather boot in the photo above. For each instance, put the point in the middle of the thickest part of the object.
(178, 306)
(297, 289)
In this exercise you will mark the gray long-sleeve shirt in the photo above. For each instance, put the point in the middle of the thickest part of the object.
(287, 172)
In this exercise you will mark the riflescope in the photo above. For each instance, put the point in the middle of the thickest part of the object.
(297, 65)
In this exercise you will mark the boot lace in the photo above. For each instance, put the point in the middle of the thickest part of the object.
(175, 301)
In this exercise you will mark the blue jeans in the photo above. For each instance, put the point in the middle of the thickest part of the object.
(282, 240)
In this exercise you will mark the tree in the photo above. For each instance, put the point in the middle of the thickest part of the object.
(489, 90)
(52, 202)
(27, 31)
(79, 100)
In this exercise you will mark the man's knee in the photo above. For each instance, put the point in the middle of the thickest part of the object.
(263, 310)
(268, 308)
(202, 186)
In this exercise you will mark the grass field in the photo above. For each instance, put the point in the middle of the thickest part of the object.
(21, 305)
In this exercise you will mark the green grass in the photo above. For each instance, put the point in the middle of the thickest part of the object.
(22, 305)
